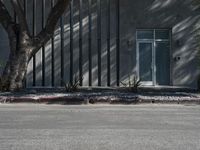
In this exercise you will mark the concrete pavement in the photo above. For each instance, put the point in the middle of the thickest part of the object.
(99, 127)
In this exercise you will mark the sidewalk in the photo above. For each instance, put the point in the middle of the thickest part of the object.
(95, 97)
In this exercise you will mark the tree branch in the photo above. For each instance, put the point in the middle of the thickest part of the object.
(46, 34)
(21, 16)
(5, 18)
(9, 25)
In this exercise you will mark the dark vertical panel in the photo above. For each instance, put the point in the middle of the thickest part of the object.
(108, 43)
(43, 47)
(90, 42)
(15, 16)
(34, 33)
(71, 41)
(118, 41)
(52, 55)
(62, 49)
(25, 8)
(99, 40)
(80, 41)
(25, 13)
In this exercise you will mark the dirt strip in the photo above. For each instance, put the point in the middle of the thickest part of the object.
(101, 97)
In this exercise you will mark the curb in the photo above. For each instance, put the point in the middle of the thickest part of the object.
(75, 100)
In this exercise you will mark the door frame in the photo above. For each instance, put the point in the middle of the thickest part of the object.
(153, 65)
(154, 40)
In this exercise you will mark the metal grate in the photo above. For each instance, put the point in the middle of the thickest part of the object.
(71, 12)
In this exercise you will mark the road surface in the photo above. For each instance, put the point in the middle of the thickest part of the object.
(99, 127)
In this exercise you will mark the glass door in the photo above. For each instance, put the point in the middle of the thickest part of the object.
(145, 51)
(162, 52)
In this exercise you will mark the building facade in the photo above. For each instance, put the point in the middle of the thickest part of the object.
(107, 41)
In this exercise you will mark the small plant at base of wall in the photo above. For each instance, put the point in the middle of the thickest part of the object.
(2, 65)
(74, 86)
(133, 84)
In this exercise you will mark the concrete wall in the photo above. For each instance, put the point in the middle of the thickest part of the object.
(182, 17)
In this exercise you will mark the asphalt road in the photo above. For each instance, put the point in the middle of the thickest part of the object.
(100, 127)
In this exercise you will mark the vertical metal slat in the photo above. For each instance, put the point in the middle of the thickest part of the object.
(71, 42)
(43, 47)
(90, 42)
(80, 42)
(34, 33)
(25, 8)
(62, 49)
(52, 55)
(108, 43)
(99, 40)
(25, 14)
(118, 41)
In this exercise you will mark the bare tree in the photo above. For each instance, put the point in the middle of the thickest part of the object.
(23, 45)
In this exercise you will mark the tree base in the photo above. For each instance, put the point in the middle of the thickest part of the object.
(6, 86)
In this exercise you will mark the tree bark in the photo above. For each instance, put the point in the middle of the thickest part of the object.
(14, 74)
(16, 67)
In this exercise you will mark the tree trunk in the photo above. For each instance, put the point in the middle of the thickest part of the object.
(14, 73)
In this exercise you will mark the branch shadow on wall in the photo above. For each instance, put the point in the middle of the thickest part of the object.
(179, 16)
(67, 42)
(182, 18)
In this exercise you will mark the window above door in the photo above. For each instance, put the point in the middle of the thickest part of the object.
(153, 34)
